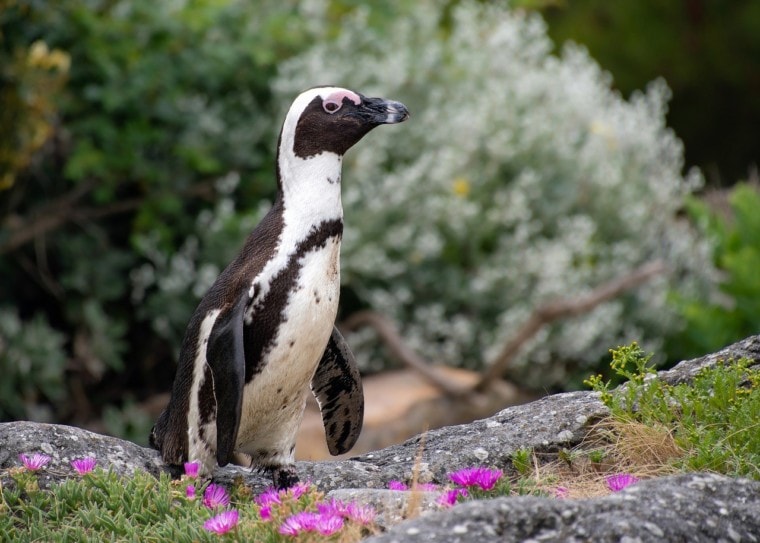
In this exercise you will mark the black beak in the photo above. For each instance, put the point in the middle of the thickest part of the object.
(380, 111)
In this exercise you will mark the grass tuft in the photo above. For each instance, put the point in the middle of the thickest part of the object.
(710, 424)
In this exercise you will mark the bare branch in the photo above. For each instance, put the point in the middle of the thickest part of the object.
(541, 316)
(552, 311)
(400, 350)
(60, 211)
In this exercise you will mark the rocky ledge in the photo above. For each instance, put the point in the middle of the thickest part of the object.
(692, 507)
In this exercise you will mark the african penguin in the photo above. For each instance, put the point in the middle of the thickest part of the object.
(264, 332)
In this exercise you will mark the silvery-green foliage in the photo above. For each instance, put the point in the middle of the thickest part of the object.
(520, 178)
(168, 285)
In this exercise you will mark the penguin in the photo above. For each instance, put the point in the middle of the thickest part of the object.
(264, 333)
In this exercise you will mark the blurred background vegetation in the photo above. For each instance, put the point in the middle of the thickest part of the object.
(136, 149)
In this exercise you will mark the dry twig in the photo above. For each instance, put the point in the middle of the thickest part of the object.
(541, 316)
(547, 313)
(56, 213)
(399, 349)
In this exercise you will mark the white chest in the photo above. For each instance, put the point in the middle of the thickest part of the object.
(274, 400)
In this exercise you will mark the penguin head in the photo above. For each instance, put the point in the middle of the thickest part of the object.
(333, 119)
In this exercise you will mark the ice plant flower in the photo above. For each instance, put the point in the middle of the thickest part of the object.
(482, 477)
(363, 514)
(620, 481)
(561, 492)
(397, 485)
(190, 492)
(265, 501)
(191, 469)
(35, 462)
(329, 524)
(269, 497)
(332, 507)
(84, 465)
(215, 496)
(426, 487)
(265, 512)
(222, 523)
(296, 491)
(450, 497)
(300, 522)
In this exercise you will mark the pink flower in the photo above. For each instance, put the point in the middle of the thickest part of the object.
(397, 485)
(426, 487)
(269, 497)
(483, 477)
(329, 524)
(620, 481)
(35, 462)
(265, 501)
(296, 491)
(191, 469)
(300, 522)
(222, 523)
(84, 465)
(332, 507)
(363, 514)
(561, 492)
(450, 497)
(265, 512)
(190, 492)
(215, 496)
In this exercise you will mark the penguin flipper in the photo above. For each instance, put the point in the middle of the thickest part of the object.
(225, 355)
(337, 387)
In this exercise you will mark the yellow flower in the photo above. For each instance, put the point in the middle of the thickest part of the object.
(59, 59)
(461, 187)
(604, 131)
(6, 181)
(40, 56)
(599, 128)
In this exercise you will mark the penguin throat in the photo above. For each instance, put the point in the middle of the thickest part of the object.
(310, 187)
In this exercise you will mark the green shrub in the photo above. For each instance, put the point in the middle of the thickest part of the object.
(713, 419)
(150, 120)
(731, 312)
(520, 178)
(707, 51)
(32, 360)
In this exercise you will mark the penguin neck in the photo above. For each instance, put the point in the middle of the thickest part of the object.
(309, 188)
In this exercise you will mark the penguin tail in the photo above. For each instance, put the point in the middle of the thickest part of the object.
(155, 439)
(165, 438)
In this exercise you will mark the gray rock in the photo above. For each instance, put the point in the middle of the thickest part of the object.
(684, 508)
(693, 507)
(685, 371)
(546, 425)
(66, 443)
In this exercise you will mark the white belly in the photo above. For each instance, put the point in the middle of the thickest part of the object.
(273, 402)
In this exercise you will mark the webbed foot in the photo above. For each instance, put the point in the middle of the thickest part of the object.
(284, 476)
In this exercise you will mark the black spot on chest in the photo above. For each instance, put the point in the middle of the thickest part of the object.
(269, 312)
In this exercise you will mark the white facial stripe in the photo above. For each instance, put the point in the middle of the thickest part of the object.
(310, 193)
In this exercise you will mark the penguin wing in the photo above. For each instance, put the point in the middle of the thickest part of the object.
(225, 355)
(337, 386)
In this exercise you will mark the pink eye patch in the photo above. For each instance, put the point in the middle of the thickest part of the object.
(338, 97)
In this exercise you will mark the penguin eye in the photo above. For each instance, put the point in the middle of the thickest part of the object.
(331, 106)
